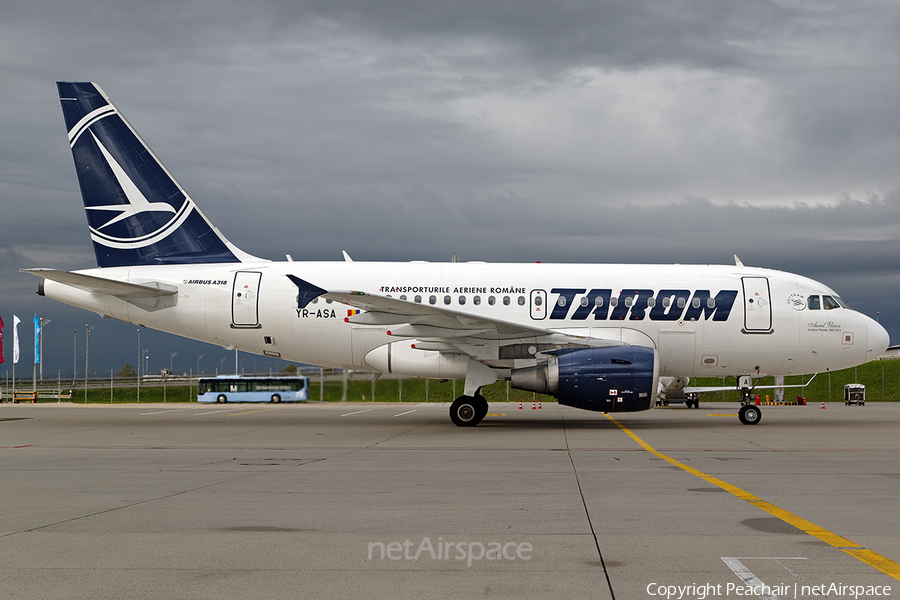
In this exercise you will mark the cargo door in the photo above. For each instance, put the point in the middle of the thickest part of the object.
(245, 300)
(757, 305)
(676, 353)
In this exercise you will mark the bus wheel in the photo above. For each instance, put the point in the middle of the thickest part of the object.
(276, 398)
(222, 399)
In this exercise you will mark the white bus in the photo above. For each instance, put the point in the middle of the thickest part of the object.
(232, 388)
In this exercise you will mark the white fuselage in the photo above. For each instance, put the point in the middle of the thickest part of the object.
(732, 320)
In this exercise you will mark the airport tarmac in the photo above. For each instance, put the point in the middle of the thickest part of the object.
(363, 500)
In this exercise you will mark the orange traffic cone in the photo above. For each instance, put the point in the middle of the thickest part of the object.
(520, 405)
(533, 405)
(539, 405)
(823, 405)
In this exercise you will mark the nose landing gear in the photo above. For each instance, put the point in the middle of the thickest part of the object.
(749, 414)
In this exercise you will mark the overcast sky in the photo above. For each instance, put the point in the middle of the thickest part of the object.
(672, 131)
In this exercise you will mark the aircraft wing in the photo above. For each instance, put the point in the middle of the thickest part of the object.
(732, 388)
(438, 324)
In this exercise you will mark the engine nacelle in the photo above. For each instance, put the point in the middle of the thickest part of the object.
(617, 379)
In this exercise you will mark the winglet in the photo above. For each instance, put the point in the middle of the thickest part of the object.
(308, 291)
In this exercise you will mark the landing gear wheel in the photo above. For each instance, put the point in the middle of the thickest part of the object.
(222, 399)
(466, 411)
(749, 415)
(482, 407)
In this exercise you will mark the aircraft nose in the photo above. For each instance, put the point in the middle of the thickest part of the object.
(879, 340)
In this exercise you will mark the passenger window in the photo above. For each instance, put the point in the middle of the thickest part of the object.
(561, 301)
(598, 301)
(710, 303)
(491, 300)
(681, 303)
(432, 300)
(695, 302)
(830, 303)
(403, 297)
(418, 299)
(521, 300)
(651, 302)
(614, 302)
(447, 300)
(476, 300)
(505, 300)
(538, 301)
(629, 301)
(462, 300)
(814, 303)
(583, 301)
(667, 302)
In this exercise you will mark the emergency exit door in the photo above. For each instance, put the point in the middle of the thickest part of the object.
(245, 300)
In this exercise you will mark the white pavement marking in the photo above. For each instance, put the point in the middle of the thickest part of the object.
(357, 412)
(167, 411)
(215, 411)
(404, 413)
(749, 578)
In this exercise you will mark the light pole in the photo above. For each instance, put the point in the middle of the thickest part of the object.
(171, 356)
(222, 364)
(74, 357)
(41, 342)
(199, 356)
(139, 367)
(87, 336)
(146, 358)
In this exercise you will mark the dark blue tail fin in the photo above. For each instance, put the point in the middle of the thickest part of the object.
(136, 211)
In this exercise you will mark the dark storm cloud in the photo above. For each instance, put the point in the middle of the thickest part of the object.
(661, 132)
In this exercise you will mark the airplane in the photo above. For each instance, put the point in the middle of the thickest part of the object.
(600, 337)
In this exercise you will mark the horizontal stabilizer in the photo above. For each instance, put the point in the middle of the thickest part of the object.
(109, 287)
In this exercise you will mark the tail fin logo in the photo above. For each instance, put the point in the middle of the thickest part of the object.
(123, 217)
(137, 202)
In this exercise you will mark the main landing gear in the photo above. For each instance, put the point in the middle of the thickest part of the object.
(749, 414)
(468, 411)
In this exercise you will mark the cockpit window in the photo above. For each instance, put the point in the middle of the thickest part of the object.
(814, 303)
(830, 303)
(842, 303)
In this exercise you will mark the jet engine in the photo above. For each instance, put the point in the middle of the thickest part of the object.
(616, 379)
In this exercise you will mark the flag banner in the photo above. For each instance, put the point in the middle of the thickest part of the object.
(16, 322)
(37, 340)
(2, 360)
